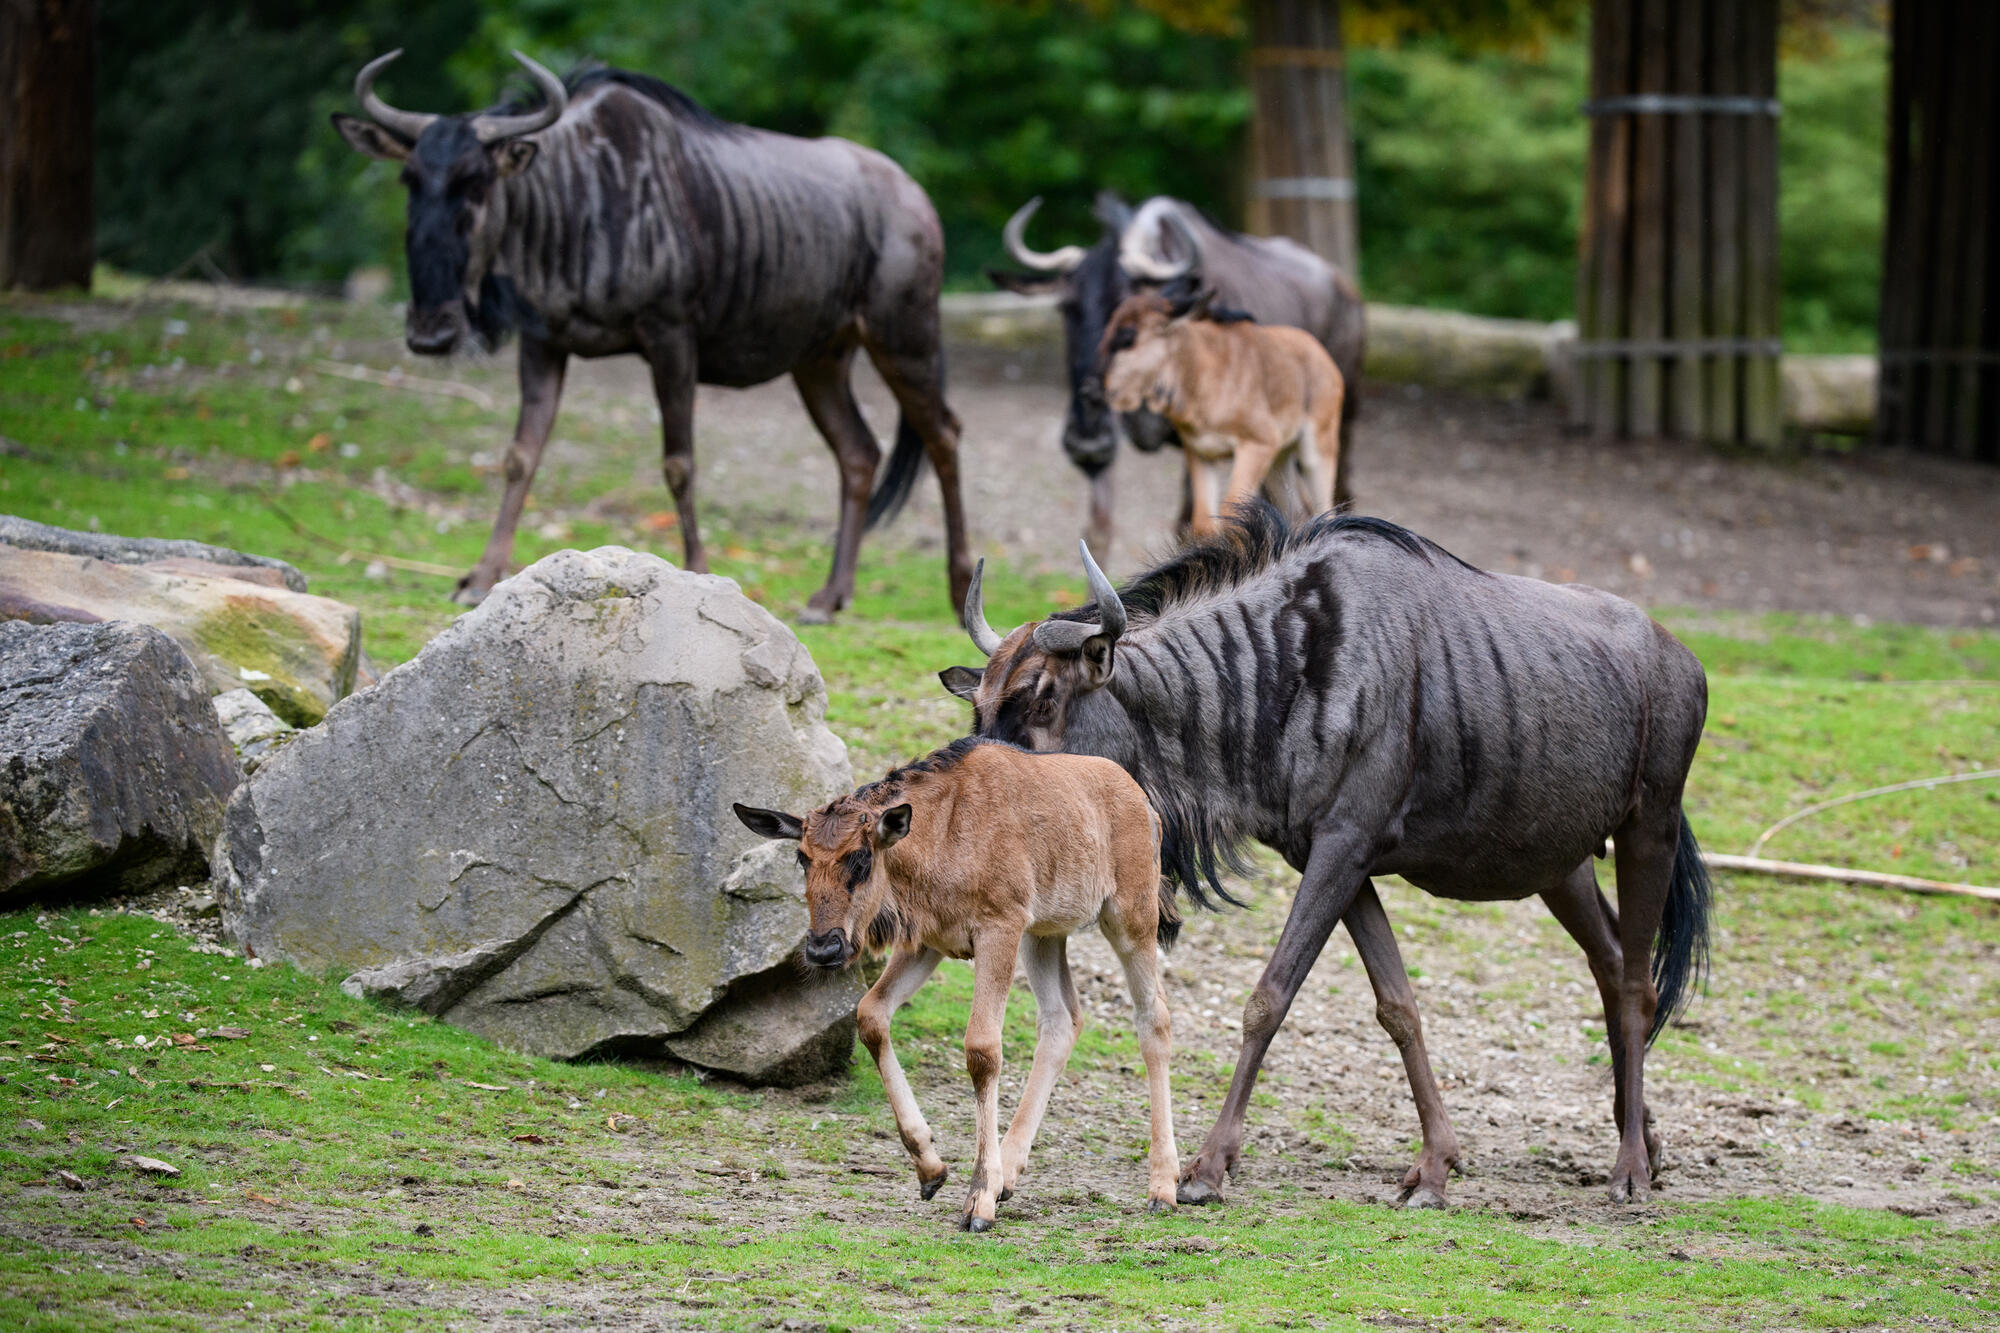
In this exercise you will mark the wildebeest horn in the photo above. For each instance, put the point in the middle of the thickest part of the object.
(1064, 260)
(983, 637)
(1069, 636)
(1132, 256)
(490, 127)
(409, 124)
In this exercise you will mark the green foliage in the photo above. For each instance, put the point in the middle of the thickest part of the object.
(1832, 147)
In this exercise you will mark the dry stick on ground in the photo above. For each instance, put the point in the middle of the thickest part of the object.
(396, 379)
(1917, 785)
(1840, 874)
(348, 553)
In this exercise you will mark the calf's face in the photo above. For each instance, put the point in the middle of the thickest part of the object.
(840, 850)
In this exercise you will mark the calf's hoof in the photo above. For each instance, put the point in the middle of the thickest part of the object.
(1006, 1194)
(929, 1188)
(1422, 1196)
(1159, 1205)
(1197, 1191)
(975, 1224)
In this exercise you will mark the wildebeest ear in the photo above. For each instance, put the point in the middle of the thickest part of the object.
(1195, 304)
(1097, 659)
(770, 823)
(512, 156)
(962, 681)
(894, 825)
(1025, 283)
(365, 136)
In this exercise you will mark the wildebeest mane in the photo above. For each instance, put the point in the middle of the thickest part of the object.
(589, 74)
(1253, 537)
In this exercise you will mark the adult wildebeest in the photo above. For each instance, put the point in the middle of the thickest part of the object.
(1271, 278)
(1366, 704)
(981, 850)
(1244, 397)
(619, 216)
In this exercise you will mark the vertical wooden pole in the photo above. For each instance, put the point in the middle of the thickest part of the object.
(1302, 157)
(1896, 331)
(1725, 224)
(1686, 255)
(47, 211)
(1610, 186)
(1649, 220)
(1763, 411)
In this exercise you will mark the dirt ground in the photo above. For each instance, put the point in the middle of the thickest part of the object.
(1886, 535)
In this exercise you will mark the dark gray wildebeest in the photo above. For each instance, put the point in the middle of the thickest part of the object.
(981, 850)
(1366, 704)
(619, 216)
(1164, 241)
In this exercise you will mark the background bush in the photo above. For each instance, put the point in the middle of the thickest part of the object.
(213, 139)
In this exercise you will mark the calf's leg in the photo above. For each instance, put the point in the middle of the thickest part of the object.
(541, 371)
(1396, 1011)
(993, 956)
(906, 971)
(1058, 1018)
(1248, 469)
(1132, 936)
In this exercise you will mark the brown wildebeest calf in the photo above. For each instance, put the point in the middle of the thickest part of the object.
(1242, 395)
(985, 851)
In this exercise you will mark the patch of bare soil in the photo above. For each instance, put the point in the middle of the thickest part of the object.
(1878, 533)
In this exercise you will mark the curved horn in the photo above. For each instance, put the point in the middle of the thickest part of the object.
(1069, 636)
(1132, 256)
(974, 620)
(409, 124)
(1064, 260)
(555, 97)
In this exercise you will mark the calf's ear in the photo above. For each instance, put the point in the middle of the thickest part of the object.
(365, 136)
(770, 823)
(962, 681)
(894, 825)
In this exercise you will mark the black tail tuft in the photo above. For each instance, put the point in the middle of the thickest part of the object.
(893, 488)
(1680, 954)
(1170, 916)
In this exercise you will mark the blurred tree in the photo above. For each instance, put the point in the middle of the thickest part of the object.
(45, 143)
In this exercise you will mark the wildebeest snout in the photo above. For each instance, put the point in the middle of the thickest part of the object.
(1089, 437)
(826, 948)
(433, 332)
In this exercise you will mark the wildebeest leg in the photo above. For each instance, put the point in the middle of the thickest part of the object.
(1247, 470)
(1136, 943)
(1580, 907)
(1396, 1011)
(1335, 872)
(828, 393)
(1646, 843)
(673, 364)
(993, 956)
(906, 971)
(1058, 1018)
(541, 373)
(912, 365)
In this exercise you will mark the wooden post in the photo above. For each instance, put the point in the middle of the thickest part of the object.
(1301, 156)
(47, 55)
(1939, 338)
(1677, 281)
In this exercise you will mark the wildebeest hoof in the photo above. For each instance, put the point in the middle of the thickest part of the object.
(975, 1224)
(468, 595)
(1198, 1191)
(1422, 1196)
(929, 1188)
(815, 615)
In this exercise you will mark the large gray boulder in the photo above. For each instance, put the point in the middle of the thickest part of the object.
(527, 830)
(113, 766)
(32, 536)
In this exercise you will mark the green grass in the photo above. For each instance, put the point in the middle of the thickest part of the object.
(313, 1149)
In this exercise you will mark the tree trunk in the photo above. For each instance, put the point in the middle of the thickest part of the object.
(1301, 156)
(47, 58)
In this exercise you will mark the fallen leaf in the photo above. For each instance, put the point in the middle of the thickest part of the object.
(173, 474)
(231, 1034)
(320, 443)
(259, 1198)
(529, 1138)
(138, 1221)
(487, 1087)
(289, 458)
(184, 1039)
(515, 1185)
(661, 521)
(71, 1181)
(152, 1166)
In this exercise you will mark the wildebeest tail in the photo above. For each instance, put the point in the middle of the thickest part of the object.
(1680, 954)
(1170, 915)
(893, 487)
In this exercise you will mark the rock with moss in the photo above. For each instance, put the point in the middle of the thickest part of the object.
(240, 625)
(526, 830)
(160, 551)
(113, 766)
